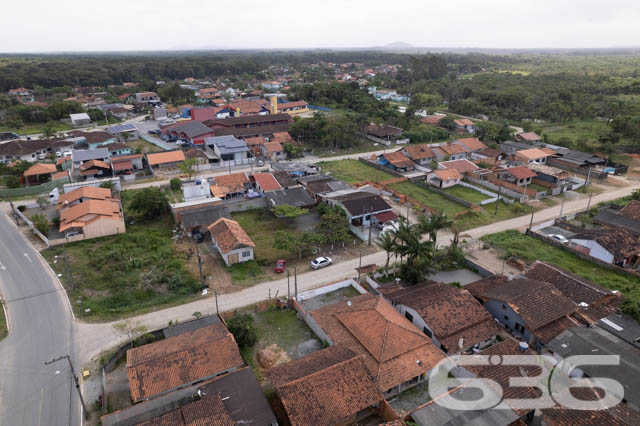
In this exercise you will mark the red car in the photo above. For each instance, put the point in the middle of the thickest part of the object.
(281, 265)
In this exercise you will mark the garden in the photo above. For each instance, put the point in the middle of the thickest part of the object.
(352, 171)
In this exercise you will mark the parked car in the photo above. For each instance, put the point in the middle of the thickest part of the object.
(321, 262)
(260, 163)
(181, 142)
(154, 132)
(281, 265)
(72, 233)
(560, 238)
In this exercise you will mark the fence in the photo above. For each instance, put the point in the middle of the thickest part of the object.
(439, 191)
(32, 226)
(506, 191)
(243, 204)
(329, 288)
(594, 174)
(44, 188)
(492, 197)
(380, 167)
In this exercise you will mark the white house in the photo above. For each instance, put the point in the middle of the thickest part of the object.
(444, 178)
(80, 119)
(231, 241)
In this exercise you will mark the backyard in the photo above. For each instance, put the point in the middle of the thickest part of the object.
(352, 171)
(125, 274)
(283, 329)
(142, 146)
(467, 194)
(530, 249)
(428, 198)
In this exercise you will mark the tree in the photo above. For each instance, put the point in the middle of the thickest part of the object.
(243, 330)
(43, 201)
(108, 184)
(130, 329)
(293, 151)
(419, 253)
(302, 243)
(41, 222)
(188, 167)
(150, 202)
(175, 184)
(430, 225)
(333, 224)
(288, 211)
(284, 240)
(387, 242)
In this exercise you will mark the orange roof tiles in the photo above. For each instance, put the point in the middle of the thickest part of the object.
(532, 154)
(229, 235)
(447, 174)
(530, 136)
(282, 137)
(521, 172)
(325, 387)
(209, 411)
(462, 166)
(231, 179)
(453, 148)
(165, 157)
(273, 147)
(40, 169)
(82, 214)
(94, 163)
(463, 122)
(266, 181)
(397, 159)
(419, 152)
(181, 360)
(90, 192)
(256, 140)
(474, 144)
(60, 175)
(394, 349)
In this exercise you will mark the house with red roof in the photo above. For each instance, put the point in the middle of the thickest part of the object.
(464, 125)
(265, 182)
(518, 175)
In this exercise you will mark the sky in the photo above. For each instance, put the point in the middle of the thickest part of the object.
(122, 25)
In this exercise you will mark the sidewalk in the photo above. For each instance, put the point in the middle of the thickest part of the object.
(95, 338)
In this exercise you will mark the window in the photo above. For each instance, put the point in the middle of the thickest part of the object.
(519, 328)
(246, 253)
(409, 316)
(427, 332)
(506, 318)
(504, 307)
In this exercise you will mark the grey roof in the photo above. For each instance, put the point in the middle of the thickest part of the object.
(579, 157)
(191, 129)
(516, 145)
(191, 325)
(121, 128)
(623, 326)
(596, 340)
(610, 217)
(203, 216)
(435, 414)
(297, 196)
(109, 106)
(288, 166)
(314, 178)
(338, 185)
(89, 154)
(227, 144)
(372, 204)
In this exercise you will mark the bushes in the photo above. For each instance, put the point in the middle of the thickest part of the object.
(175, 184)
(149, 202)
(41, 222)
(243, 330)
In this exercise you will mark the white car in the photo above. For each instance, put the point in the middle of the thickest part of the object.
(560, 238)
(321, 262)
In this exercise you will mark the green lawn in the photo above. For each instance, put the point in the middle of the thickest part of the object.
(4, 330)
(352, 171)
(125, 274)
(588, 130)
(144, 146)
(467, 194)
(428, 198)
(488, 215)
(538, 188)
(33, 128)
(261, 227)
(530, 249)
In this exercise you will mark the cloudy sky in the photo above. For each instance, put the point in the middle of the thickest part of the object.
(91, 25)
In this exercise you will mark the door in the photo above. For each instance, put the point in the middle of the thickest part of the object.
(233, 258)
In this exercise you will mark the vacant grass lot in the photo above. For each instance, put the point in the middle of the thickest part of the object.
(282, 328)
(467, 194)
(530, 249)
(34, 128)
(428, 198)
(352, 171)
(486, 216)
(142, 146)
(125, 274)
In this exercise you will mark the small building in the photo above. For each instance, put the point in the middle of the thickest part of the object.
(532, 310)
(518, 175)
(124, 132)
(511, 147)
(451, 317)
(576, 159)
(396, 161)
(265, 182)
(231, 241)
(297, 197)
(490, 156)
(78, 157)
(166, 161)
(229, 150)
(81, 195)
(292, 108)
(126, 164)
(93, 139)
(472, 144)
(192, 131)
(529, 137)
(230, 186)
(531, 156)
(197, 218)
(444, 178)
(273, 151)
(285, 179)
(463, 166)
(450, 151)
(118, 149)
(95, 169)
(464, 125)
(328, 387)
(615, 246)
(33, 174)
(384, 133)
(93, 218)
(361, 207)
(294, 169)
(80, 119)
(419, 154)
(147, 98)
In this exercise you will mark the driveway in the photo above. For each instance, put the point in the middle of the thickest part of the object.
(41, 328)
(144, 127)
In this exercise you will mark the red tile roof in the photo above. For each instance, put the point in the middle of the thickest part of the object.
(266, 181)
(181, 360)
(40, 169)
(82, 214)
(231, 179)
(521, 172)
(271, 147)
(94, 163)
(208, 411)
(88, 192)
(165, 157)
(631, 210)
(530, 136)
(395, 350)
(463, 122)
(473, 144)
(462, 166)
(229, 235)
(418, 152)
(453, 148)
(397, 159)
(447, 174)
(325, 387)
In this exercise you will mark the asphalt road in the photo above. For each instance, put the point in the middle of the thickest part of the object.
(40, 329)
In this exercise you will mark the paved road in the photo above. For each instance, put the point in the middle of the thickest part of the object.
(40, 328)
(98, 337)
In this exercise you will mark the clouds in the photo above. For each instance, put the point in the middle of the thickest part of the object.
(89, 25)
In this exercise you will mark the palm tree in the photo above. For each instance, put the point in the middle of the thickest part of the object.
(430, 225)
(419, 253)
(387, 242)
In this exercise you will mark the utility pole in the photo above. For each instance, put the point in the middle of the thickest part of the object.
(561, 206)
(408, 206)
(370, 225)
(288, 287)
(215, 295)
(359, 267)
(199, 262)
(588, 176)
(295, 283)
(75, 378)
(495, 213)
(531, 222)
(590, 195)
